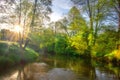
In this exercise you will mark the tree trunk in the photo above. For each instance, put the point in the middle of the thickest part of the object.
(33, 15)
(90, 15)
(20, 14)
(119, 15)
(118, 45)
(26, 43)
(90, 44)
(20, 37)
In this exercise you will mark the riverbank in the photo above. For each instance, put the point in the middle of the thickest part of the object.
(113, 58)
(11, 55)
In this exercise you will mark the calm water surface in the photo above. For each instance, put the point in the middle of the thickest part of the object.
(63, 68)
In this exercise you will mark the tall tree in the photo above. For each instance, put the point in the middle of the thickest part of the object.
(95, 10)
(76, 21)
(62, 26)
(117, 7)
(26, 14)
(34, 11)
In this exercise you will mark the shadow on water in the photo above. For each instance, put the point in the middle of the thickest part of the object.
(63, 68)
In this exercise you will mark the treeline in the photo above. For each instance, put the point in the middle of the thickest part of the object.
(91, 28)
(8, 35)
(77, 45)
(73, 36)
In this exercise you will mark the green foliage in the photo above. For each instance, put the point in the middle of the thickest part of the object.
(14, 54)
(15, 57)
(77, 22)
(6, 61)
(60, 44)
(30, 55)
(35, 38)
(50, 47)
(78, 42)
(91, 39)
(114, 54)
(43, 40)
(14, 48)
(3, 48)
(105, 43)
(111, 55)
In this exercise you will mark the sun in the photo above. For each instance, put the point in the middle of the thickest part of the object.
(18, 29)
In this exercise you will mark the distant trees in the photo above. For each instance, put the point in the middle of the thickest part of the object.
(88, 29)
(8, 35)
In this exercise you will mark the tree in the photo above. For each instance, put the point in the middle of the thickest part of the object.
(76, 21)
(97, 13)
(116, 7)
(7, 12)
(33, 16)
(62, 26)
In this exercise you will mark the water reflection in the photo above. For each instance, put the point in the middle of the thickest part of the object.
(86, 69)
(34, 71)
(62, 68)
(41, 71)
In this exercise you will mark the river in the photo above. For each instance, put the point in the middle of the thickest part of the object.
(63, 68)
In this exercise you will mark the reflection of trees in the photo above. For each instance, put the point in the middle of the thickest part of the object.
(21, 74)
(83, 68)
(114, 71)
(33, 71)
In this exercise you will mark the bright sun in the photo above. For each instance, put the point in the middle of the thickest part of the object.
(18, 29)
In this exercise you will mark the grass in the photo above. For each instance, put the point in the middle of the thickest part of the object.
(11, 54)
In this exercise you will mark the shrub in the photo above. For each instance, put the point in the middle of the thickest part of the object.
(60, 44)
(6, 61)
(30, 55)
(15, 57)
(114, 54)
(3, 48)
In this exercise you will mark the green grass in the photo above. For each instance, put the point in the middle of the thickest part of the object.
(11, 54)
(30, 54)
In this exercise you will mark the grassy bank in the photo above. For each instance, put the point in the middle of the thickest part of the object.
(11, 55)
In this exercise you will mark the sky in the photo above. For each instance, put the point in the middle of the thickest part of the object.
(60, 8)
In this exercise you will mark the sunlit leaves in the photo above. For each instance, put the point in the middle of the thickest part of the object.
(90, 38)
(78, 42)
(77, 22)
(113, 54)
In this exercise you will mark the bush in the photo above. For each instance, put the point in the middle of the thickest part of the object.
(15, 57)
(14, 54)
(14, 48)
(6, 61)
(105, 43)
(60, 44)
(113, 55)
(30, 55)
(3, 48)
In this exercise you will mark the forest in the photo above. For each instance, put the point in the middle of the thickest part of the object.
(89, 30)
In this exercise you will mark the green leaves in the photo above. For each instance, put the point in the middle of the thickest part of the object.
(60, 44)
(78, 42)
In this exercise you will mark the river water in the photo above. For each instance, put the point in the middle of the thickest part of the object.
(63, 68)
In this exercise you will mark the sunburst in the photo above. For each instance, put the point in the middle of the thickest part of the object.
(18, 29)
